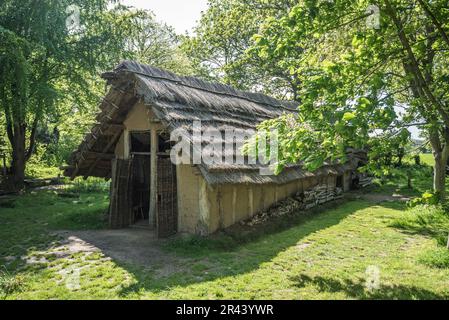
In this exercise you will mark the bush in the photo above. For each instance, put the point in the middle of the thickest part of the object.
(10, 283)
(39, 171)
(427, 198)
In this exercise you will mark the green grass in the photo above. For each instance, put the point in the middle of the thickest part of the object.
(428, 220)
(427, 159)
(327, 255)
(27, 221)
(396, 182)
(433, 222)
(39, 172)
(436, 258)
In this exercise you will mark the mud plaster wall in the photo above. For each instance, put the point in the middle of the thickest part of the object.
(229, 204)
(189, 192)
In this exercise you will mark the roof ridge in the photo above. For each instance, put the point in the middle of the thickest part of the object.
(145, 70)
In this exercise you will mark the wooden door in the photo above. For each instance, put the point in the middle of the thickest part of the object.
(167, 200)
(120, 211)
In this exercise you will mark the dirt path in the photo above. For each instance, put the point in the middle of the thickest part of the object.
(378, 197)
(134, 246)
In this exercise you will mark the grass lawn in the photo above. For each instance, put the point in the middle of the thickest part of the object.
(427, 158)
(338, 253)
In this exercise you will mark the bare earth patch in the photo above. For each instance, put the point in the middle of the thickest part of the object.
(134, 246)
(378, 198)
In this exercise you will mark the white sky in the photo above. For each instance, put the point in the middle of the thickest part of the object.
(180, 14)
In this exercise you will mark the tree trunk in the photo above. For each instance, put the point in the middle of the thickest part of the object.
(440, 155)
(439, 175)
(18, 158)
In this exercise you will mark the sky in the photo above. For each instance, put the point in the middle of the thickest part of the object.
(180, 14)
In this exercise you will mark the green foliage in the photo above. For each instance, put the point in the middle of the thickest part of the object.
(220, 44)
(386, 151)
(428, 198)
(149, 41)
(427, 159)
(299, 141)
(50, 84)
(43, 63)
(355, 87)
(10, 283)
(37, 170)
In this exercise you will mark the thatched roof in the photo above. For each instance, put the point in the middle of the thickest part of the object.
(177, 101)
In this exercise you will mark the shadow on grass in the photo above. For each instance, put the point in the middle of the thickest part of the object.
(358, 290)
(241, 250)
(180, 262)
(431, 222)
(238, 235)
(28, 222)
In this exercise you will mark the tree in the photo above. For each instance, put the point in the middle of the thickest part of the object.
(151, 42)
(51, 56)
(224, 34)
(357, 73)
(42, 60)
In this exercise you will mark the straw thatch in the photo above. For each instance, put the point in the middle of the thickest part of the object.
(177, 101)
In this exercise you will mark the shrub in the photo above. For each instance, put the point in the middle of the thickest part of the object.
(10, 283)
(427, 198)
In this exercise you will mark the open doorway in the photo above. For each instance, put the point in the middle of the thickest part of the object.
(140, 155)
(166, 189)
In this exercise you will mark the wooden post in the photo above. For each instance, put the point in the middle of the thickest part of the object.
(126, 144)
(153, 177)
(250, 202)
(234, 204)
(112, 194)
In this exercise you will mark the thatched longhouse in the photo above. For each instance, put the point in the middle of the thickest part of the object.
(130, 145)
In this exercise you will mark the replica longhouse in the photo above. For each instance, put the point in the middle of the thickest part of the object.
(130, 144)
